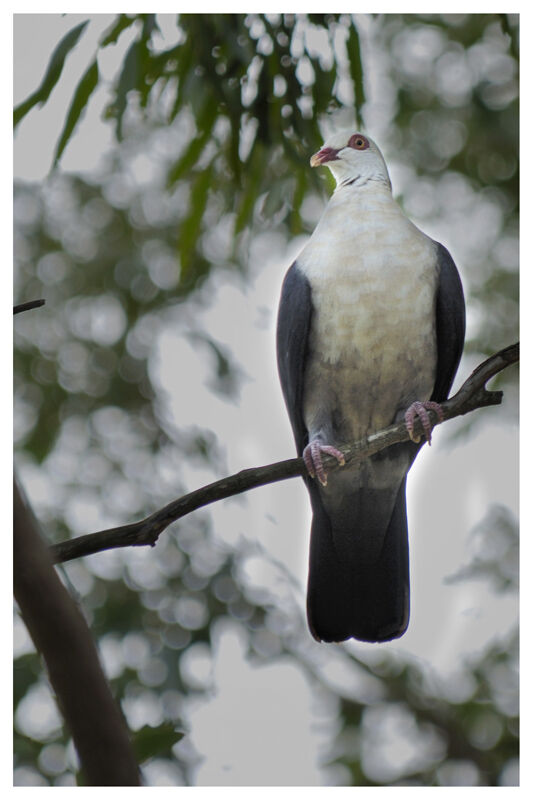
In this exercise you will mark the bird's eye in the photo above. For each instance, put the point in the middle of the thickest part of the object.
(358, 142)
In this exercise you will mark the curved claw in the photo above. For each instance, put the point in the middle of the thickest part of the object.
(312, 456)
(420, 410)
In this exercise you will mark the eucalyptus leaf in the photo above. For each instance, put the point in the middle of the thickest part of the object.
(84, 90)
(353, 48)
(123, 22)
(52, 74)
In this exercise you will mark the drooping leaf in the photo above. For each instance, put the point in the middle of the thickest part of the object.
(149, 25)
(191, 226)
(134, 73)
(52, 75)
(353, 48)
(126, 82)
(297, 200)
(84, 90)
(184, 58)
(255, 167)
(275, 199)
(323, 86)
(111, 36)
(192, 153)
(145, 78)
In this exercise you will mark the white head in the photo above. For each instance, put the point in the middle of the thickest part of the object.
(352, 158)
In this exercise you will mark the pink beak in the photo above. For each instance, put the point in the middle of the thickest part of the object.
(324, 155)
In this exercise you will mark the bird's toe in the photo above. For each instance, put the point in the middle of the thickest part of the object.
(420, 410)
(312, 456)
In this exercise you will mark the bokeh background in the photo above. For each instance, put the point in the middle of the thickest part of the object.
(162, 188)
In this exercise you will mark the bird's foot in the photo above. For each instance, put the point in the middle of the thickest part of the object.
(312, 456)
(420, 410)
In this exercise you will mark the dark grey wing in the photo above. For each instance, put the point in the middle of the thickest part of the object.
(294, 320)
(450, 323)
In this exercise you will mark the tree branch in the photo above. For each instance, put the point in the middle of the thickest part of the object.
(470, 396)
(28, 306)
(61, 635)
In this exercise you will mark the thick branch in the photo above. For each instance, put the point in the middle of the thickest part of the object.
(470, 396)
(61, 635)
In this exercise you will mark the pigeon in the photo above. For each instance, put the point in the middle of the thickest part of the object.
(370, 332)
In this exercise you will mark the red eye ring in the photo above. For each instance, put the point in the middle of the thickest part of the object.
(358, 142)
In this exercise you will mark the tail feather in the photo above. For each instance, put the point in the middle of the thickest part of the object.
(367, 600)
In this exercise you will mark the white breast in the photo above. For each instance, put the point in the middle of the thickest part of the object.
(372, 343)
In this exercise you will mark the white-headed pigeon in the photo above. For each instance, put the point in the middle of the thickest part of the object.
(370, 332)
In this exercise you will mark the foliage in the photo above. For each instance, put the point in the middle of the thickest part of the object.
(53, 73)
(227, 114)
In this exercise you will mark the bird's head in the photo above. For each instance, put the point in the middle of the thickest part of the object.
(352, 157)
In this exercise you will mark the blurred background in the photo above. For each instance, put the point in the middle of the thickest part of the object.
(162, 189)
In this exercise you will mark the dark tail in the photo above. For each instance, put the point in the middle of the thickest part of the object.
(353, 591)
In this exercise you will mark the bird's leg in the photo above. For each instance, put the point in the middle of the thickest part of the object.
(420, 410)
(312, 456)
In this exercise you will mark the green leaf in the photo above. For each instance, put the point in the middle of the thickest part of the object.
(255, 166)
(123, 22)
(85, 88)
(53, 73)
(205, 123)
(189, 158)
(353, 48)
(149, 26)
(135, 71)
(149, 742)
(184, 56)
(26, 672)
(297, 200)
(323, 86)
(145, 75)
(276, 198)
(126, 82)
(190, 228)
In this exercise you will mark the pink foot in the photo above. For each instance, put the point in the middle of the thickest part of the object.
(420, 410)
(313, 459)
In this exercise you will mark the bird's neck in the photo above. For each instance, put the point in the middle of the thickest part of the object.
(361, 198)
(357, 183)
(360, 180)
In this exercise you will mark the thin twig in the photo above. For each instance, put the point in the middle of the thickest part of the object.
(470, 396)
(28, 306)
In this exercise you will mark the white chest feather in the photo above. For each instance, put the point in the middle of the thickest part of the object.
(373, 277)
